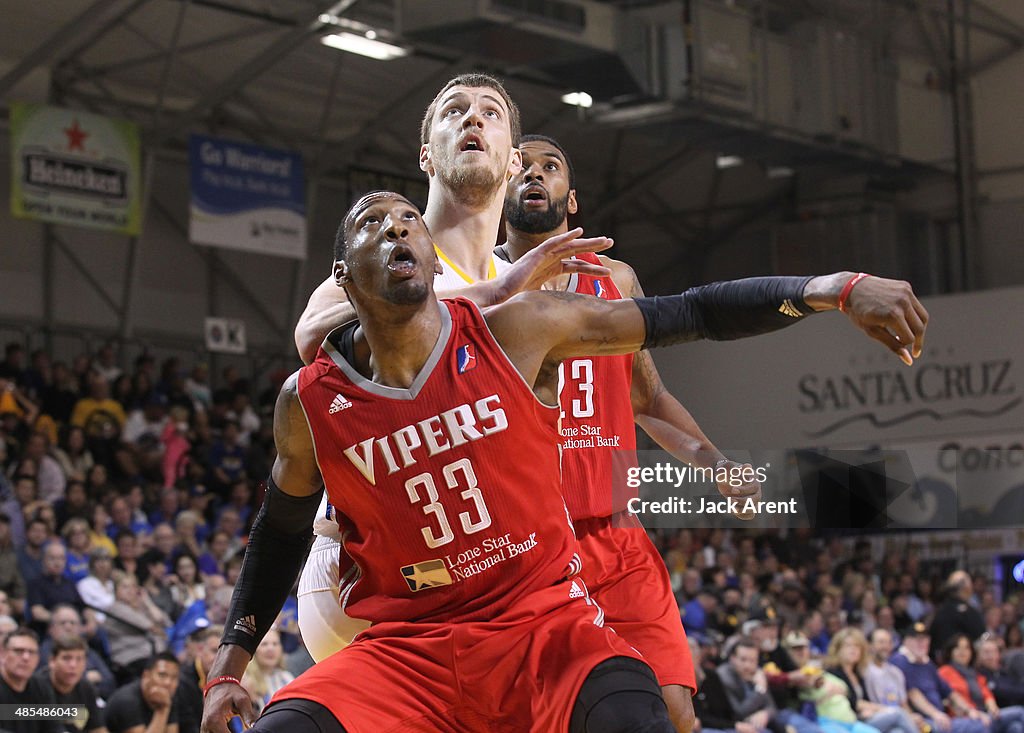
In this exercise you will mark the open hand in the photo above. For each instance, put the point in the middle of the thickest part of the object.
(551, 258)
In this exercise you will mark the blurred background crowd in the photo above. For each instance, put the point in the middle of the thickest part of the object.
(127, 491)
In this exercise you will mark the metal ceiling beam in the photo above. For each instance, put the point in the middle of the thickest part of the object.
(83, 271)
(223, 270)
(97, 14)
(993, 59)
(255, 66)
(350, 145)
(607, 206)
(137, 61)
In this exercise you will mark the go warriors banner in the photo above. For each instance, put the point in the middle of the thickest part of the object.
(73, 167)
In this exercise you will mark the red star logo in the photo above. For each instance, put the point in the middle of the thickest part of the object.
(76, 136)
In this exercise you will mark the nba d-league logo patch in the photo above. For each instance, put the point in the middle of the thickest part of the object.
(598, 289)
(465, 358)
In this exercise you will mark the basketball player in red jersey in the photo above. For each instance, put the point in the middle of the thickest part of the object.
(603, 396)
(468, 135)
(434, 428)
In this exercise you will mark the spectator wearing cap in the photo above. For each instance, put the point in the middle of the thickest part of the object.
(972, 687)
(11, 582)
(956, 615)
(66, 621)
(52, 588)
(845, 667)
(733, 614)
(785, 679)
(927, 692)
(734, 695)
(64, 674)
(792, 604)
(97, 588)
(1007, 687)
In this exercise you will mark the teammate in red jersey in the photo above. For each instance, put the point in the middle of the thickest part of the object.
(600, 399)
(420, 388)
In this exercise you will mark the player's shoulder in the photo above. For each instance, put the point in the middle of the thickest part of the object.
(623, 276)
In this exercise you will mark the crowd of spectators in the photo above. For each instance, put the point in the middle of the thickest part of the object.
(797, 633)
(127, 492)
(126, 496)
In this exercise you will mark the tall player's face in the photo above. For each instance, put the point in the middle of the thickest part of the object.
(390, 254)
(539, 198)
(470, 147)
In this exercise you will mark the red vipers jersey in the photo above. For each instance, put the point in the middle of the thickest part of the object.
(448, 493)
(597, 418)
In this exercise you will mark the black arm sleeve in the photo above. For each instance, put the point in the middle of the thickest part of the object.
(277, 548)
(725, 310)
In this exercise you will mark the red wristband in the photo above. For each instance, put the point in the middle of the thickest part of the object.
(845, 293)
(224, 679)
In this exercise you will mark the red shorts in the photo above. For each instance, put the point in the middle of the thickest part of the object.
(627, 577)
(519, 672)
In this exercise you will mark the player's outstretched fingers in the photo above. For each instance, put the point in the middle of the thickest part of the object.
(588, 244)
(583, 267)
(880, 333)
(917, 319)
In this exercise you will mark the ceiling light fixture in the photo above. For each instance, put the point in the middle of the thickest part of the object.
(728, 161)
(364, 45)
(578, 99)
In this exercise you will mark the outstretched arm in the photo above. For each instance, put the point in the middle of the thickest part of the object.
(273, 558)
(539, 328)
(328, 306)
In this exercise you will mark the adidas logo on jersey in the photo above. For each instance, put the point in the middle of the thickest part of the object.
(788, 309)
(339, 403)
(575, 591)
(246, 624)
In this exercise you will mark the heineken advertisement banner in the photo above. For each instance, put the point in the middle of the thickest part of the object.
(73, 167)
(247, 197)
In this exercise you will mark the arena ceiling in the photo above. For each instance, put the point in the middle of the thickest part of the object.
(255, 70)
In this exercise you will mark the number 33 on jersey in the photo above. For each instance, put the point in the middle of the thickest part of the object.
(460, 507)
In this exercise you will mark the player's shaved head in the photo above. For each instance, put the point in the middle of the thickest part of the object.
(361, 204)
